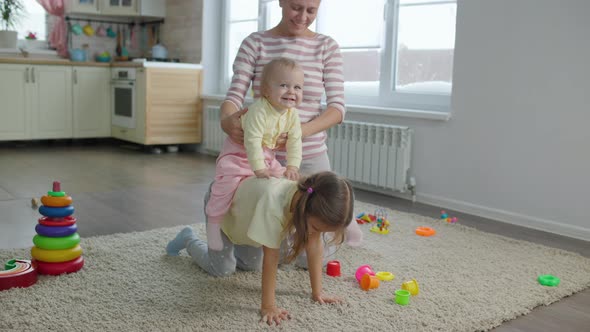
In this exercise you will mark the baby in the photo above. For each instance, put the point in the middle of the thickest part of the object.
(267, 118)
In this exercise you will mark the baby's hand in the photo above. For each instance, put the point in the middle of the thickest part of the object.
(292, 173)
(327, 299)
(274, 315)
(262, 173)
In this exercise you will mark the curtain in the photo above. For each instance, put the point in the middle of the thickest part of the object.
(57, 37)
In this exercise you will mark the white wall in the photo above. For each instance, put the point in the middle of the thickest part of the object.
(517, 148)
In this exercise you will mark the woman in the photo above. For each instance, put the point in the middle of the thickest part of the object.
(320, 57)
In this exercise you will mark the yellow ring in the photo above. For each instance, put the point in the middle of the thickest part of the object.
(384, 276)
(56, 201)
(56, 256)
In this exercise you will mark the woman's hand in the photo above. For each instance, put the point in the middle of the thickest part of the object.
(232, 126)
(292, 173)
(274, 315)
(327, 299)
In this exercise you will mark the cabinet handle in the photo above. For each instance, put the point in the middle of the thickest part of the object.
(27, 75)
(33, 74)
(75, 76)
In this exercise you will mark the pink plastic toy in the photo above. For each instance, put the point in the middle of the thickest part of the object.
(362, 270)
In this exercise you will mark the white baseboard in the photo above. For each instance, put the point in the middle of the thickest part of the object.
(505, 216)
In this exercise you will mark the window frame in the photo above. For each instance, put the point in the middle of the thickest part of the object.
(433, 105)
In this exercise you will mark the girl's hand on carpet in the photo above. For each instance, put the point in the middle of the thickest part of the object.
(274, 315)
(327, 299)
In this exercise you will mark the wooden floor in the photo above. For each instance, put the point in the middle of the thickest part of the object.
(119, 187)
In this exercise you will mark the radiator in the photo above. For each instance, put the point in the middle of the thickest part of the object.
(214, 136)
(372, 156)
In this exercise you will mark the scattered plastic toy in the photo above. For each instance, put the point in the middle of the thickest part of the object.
(425, 231)
(444, 216)
(548, 280)
(369, 282)
(384, 276)
(382, 227)
(411, 286)
(18, 273)
(362, 270)
(402, 297)
(364, 218)
(333, 269)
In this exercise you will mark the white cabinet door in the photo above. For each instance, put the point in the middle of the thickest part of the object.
(82, 6)
(92, 102)
(119, 7)
(152, 8)
(51, 102)
(14, 108)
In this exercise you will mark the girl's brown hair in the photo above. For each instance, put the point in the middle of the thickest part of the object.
(330, 199)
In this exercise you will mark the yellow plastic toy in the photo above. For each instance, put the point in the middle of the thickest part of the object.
(411, 286)
(384, 276)
(382, 226)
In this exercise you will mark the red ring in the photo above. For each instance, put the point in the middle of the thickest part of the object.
(54, 269)
(65, 221)
(24, 278)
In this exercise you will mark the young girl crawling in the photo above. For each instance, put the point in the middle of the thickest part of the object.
(270, 214)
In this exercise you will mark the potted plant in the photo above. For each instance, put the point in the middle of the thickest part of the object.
(10, 13)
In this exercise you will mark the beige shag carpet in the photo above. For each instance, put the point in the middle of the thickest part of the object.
(469, 280)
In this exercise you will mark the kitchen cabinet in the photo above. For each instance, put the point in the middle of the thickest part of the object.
(173, 107)
(83, 6)
(119, 7)
(91, 100)
(14, 112)
(36, 102)
(147, 8)
(50, 97)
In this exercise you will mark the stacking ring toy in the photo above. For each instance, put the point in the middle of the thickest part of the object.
(54, 269)
(425, 231)
(548, 280)
(384, 276)
(66, 221)
(56, 256)
(55, 231)
(56, 193)
(18, 273)
(56, 212)
(56, 243)
(56, 201)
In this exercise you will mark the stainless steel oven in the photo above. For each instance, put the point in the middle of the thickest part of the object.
(123, 97)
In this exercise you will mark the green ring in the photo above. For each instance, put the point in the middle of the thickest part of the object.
(56, 193)
(56, 243)
(11, 264)
(548, 280)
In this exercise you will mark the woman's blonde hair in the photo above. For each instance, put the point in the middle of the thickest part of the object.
(326, 196)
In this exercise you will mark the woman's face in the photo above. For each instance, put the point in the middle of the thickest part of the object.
(298, 15)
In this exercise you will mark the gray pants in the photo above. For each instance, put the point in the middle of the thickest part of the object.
(221, 263)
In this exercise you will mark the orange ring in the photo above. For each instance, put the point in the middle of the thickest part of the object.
(56, 201)
(425, 231)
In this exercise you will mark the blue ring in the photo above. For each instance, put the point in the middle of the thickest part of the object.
(56, 212)
(56, 231)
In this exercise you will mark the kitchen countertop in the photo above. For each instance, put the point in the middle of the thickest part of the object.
(66, 62)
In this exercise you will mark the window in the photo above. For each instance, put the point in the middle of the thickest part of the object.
(397, 53)
(33, 21)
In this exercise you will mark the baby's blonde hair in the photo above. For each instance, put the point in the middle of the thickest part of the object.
(273, 65)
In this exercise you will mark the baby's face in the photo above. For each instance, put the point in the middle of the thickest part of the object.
(285, 88)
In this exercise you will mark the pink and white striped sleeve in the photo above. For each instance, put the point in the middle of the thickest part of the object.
(243, 68)
(334, 76)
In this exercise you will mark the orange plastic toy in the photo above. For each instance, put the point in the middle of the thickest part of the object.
(425, 231)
